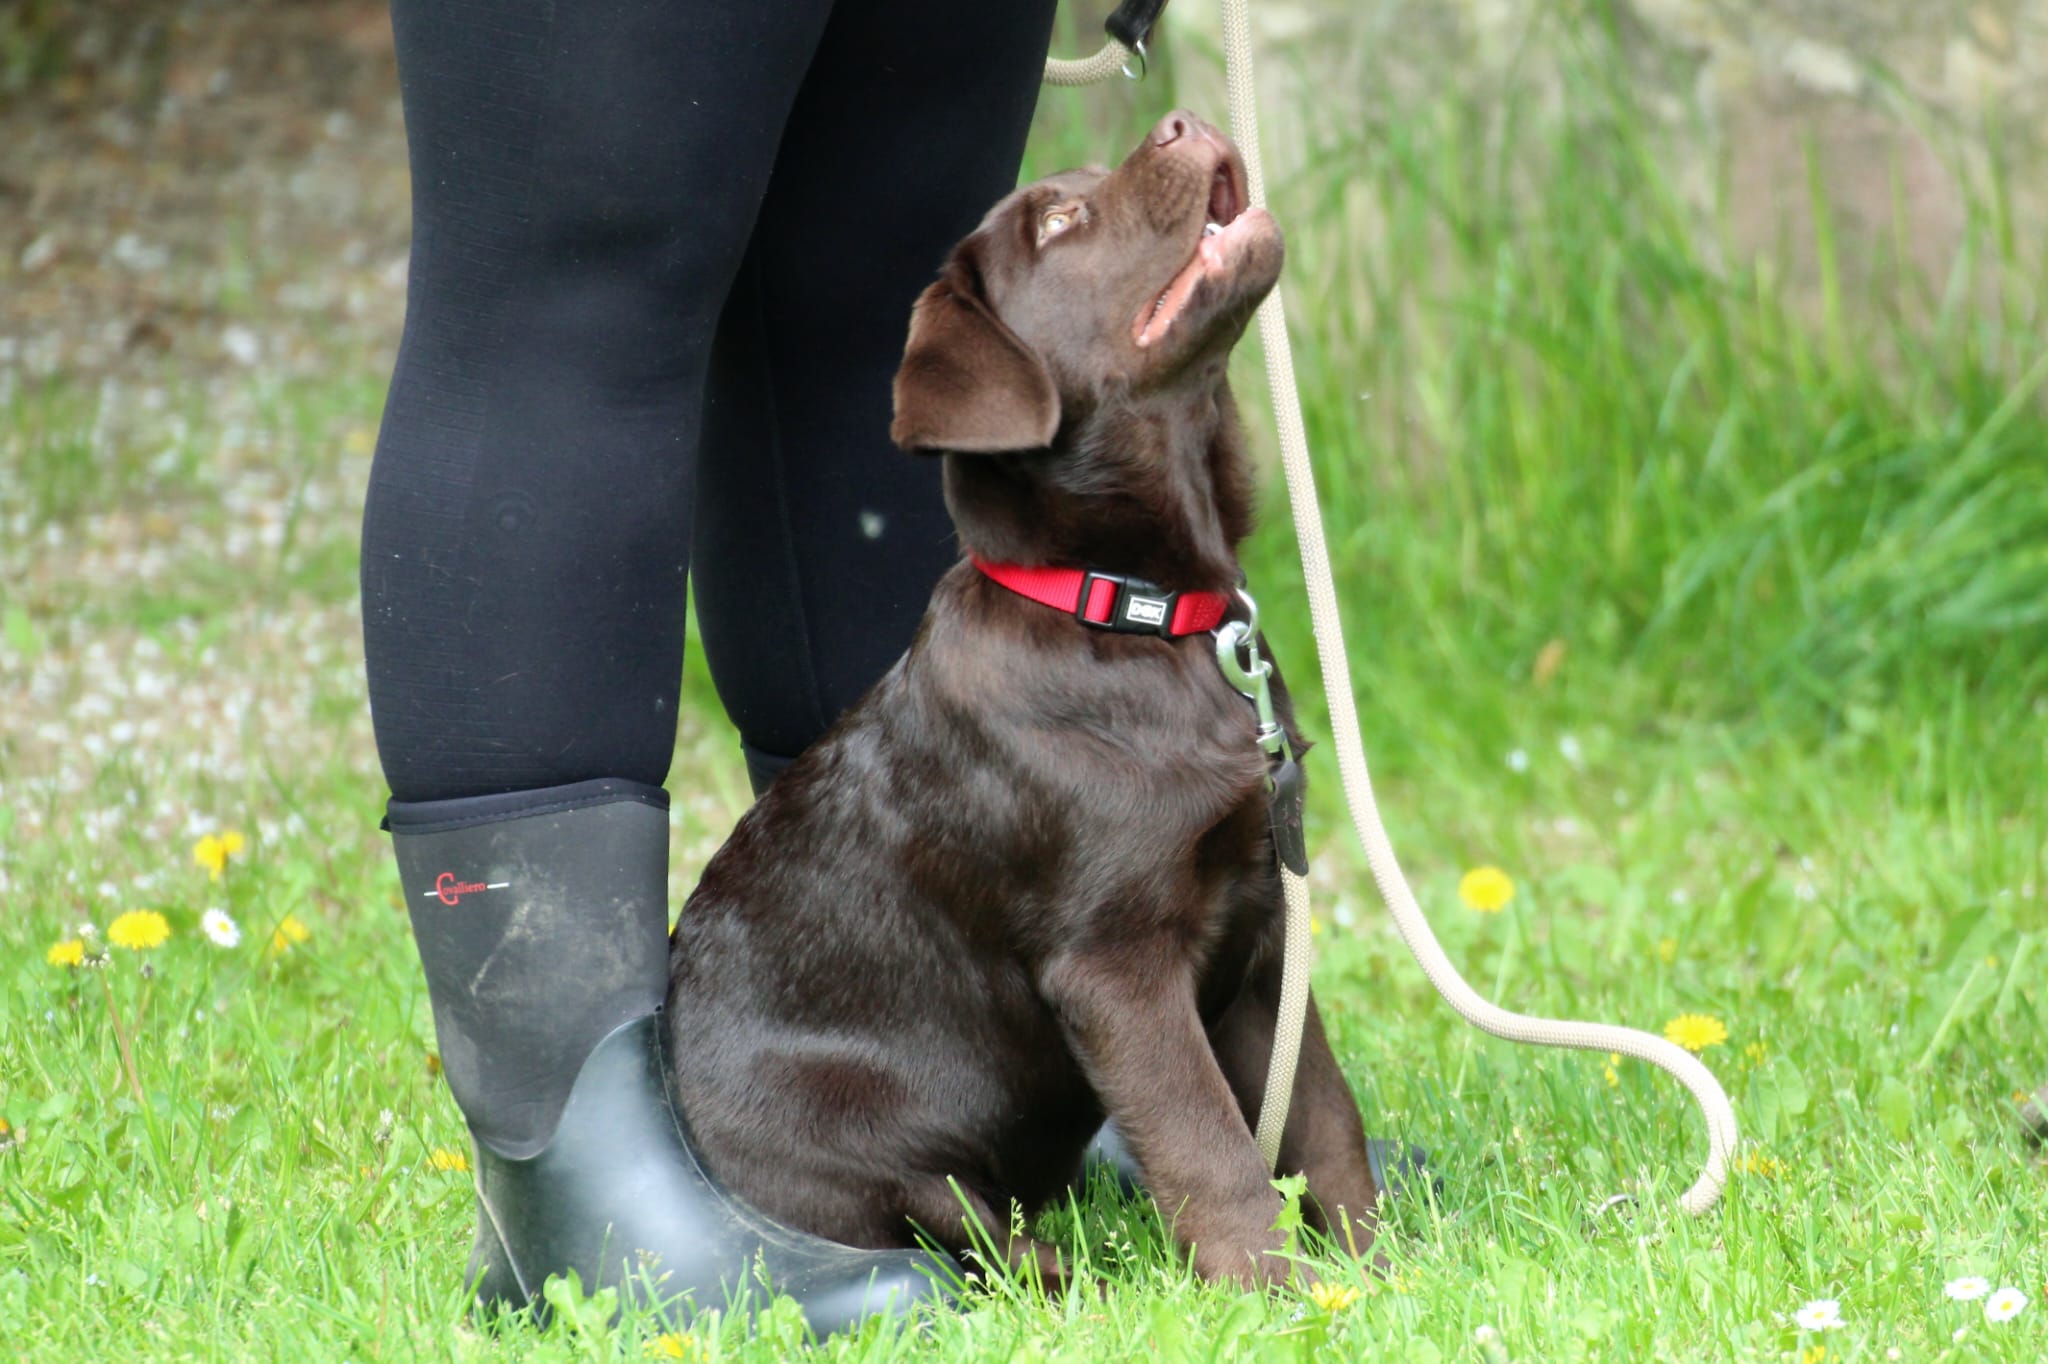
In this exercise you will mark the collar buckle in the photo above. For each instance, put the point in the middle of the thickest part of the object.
(1137, 607)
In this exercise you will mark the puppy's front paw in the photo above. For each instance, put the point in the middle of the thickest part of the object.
(1250, 1266)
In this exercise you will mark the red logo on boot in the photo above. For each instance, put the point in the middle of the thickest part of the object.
(450, 891)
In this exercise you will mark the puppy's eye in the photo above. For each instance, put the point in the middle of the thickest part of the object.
(1057, 220)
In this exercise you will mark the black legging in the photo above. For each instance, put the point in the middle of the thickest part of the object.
(664, 253)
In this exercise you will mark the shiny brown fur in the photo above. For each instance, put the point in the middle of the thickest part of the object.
(1027, 881)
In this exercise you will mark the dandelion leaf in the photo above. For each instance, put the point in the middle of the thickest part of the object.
(1777, 1096)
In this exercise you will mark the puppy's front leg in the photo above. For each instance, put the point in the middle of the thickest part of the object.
(1324, 1139)
(1134, 1025)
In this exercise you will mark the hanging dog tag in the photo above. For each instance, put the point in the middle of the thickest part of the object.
(1284, 813)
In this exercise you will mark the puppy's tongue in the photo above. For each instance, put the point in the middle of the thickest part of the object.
(1211, 256)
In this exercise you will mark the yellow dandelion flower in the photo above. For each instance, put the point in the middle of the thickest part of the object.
(1667, 950)
(669, 1345)
(1609, 1070)
(1814, 1354)
(1758, 1164)
(138, 930)
(288, 933)
(1315, 927)
(70, 952)
(213, 851)
(1696, 1032)
(441, 1158)
(1332, 1297)
(1486, 889)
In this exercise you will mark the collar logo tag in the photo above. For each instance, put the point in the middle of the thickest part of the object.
(449, 891)
(1145, 610)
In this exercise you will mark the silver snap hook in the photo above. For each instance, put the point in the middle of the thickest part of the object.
(1251, 610)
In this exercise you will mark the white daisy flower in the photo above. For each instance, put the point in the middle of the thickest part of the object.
(1822, 1314)
(224, 931)
(1969, 1288)
(2004, 1305)
(1518, 760)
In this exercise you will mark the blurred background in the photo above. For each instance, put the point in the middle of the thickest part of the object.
(1693, 336)
(1674, 370)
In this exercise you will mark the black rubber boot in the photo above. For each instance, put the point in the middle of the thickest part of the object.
(542, 922)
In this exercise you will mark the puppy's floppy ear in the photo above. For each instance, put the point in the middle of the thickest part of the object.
(968, 382)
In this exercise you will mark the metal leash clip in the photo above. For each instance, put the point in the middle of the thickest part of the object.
(1131, 23)
(1237, 654)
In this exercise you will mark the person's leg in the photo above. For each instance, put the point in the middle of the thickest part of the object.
(585, 180)
(817, 541)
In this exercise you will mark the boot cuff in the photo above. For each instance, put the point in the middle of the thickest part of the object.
(440, 816)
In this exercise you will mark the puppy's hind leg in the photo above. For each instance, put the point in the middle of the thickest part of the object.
(960, 1220)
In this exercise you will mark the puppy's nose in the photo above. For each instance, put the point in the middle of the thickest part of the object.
(1177, 125)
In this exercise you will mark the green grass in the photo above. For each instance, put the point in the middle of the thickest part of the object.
(1757, 591)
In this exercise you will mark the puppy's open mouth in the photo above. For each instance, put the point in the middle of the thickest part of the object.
(1228, 223)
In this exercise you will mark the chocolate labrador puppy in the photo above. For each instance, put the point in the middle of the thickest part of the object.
(1029, 880)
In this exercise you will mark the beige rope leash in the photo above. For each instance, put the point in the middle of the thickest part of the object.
(1112, 58)
(1722, 1130)
(1287, 1027)
(1126, 29)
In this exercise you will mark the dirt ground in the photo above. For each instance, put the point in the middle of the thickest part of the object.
(203, 240)
(165, 193)
(203, 243)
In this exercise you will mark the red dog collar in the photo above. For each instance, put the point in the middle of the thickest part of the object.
(1112, 601)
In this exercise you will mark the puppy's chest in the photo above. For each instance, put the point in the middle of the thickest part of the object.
(1197, 889)
(1118, 797)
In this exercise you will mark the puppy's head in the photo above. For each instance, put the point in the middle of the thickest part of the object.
(1085, 291)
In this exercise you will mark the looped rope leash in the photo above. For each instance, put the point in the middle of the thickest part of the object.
(1722, 1130)
(1111, 58)
(1127, 28)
